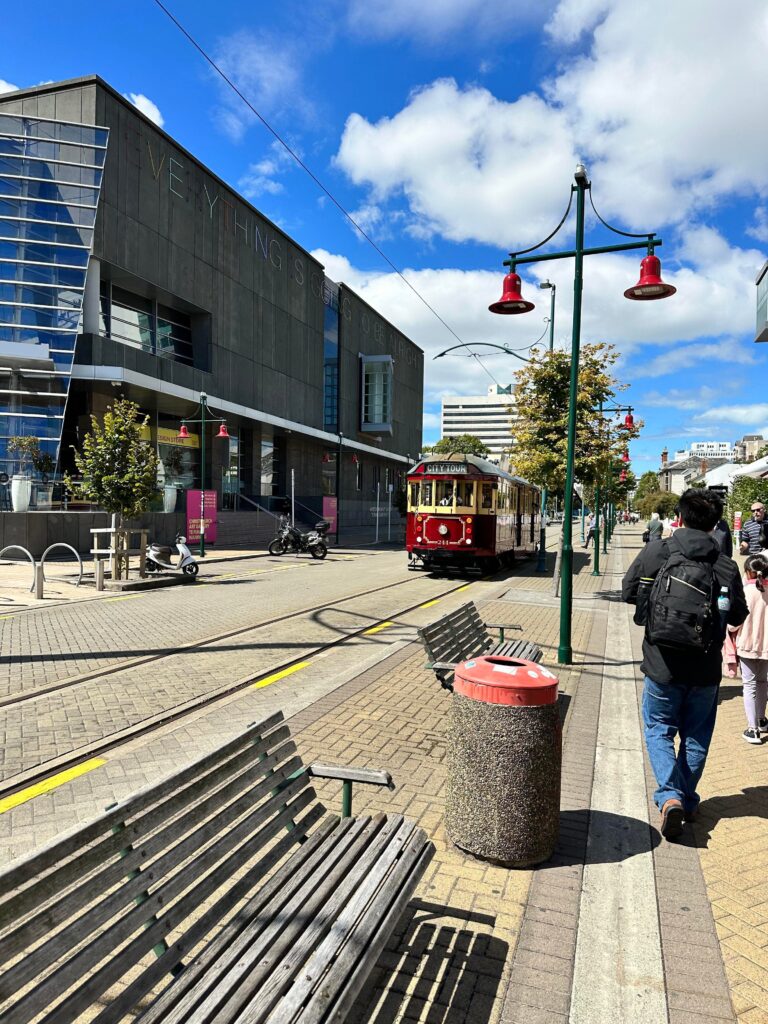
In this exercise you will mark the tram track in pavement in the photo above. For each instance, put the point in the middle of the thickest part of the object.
(38, 776)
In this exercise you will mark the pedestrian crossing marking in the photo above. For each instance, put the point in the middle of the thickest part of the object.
(279, 675)
(9, 802)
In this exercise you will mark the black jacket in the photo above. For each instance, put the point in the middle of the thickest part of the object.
(681, 665)
(723, 538)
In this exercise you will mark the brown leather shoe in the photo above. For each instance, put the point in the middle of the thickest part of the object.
(672, 816)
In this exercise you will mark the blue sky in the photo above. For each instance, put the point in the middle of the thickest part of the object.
(451, 129)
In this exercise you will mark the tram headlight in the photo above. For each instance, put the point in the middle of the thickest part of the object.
(469, 540)
(418, 539)
(469, 519)
(419, 518)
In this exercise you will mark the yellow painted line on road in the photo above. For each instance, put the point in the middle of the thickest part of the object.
(125, 597)
(465, 587)
(430, 603)
(377, 629)
(279, 675)
(54, 782)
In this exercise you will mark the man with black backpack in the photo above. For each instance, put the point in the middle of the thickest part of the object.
(685, 591)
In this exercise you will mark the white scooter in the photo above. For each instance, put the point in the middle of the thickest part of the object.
(160, 557)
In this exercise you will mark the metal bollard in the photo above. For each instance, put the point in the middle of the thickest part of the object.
(99, 567)
(39, 582)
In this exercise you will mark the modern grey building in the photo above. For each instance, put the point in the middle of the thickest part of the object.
(129, 268)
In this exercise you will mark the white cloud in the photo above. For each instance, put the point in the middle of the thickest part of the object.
(146, 106)
(749, 413)
(759, 229)
(439, 20)
(677, 398)
(662, 108)
(682, 357)
(465, 162)
(268, 71)
(262, 177)
(7, 87)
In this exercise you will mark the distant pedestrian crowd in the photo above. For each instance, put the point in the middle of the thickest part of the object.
(701, 618)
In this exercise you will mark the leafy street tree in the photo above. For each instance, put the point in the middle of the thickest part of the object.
(119, 468)
(663, 502)
(464, 444)
(540, 431)
(744, 491)
(647, 484)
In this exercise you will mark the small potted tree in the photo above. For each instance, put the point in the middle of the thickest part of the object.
(26, 449)
(44, 464)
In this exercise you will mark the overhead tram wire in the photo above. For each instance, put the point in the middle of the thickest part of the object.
(295, 156)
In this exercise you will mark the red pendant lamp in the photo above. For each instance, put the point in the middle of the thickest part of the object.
(623, 476)
(625, 457)
(650, 285)
(511, 300)
(629, 421)
(183, 433)
(223, 431)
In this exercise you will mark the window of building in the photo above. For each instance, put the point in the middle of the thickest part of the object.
(146, 324)
(329, 473)
(376, 394)
(331, 362)
(359, 475)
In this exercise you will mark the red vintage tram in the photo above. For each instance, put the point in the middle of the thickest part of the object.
(467, 513)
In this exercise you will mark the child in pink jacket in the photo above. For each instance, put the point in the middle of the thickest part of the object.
(752, 648)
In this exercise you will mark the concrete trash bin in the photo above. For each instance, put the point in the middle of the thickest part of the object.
(504, 756)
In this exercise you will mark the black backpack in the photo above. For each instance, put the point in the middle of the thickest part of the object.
(682, 605)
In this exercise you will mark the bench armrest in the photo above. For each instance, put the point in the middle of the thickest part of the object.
(442, 666)
(501, 626)
(366, 776)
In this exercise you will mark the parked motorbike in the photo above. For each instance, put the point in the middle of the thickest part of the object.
(160, 557)
(290, 538)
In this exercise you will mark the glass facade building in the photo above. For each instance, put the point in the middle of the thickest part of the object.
(50, 180)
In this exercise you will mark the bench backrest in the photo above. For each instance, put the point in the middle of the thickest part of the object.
(163, 866)
(456, 636)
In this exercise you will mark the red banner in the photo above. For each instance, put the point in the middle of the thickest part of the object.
(329, 511)
(197, 512)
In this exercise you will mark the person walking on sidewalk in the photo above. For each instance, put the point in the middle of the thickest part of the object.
(685, 591)
(654, 526)
(590, 530)
(752, 648)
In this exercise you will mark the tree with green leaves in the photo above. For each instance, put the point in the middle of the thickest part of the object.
(744, 491)
(463, 444)
(118, 467)
(647, 484)
(540, 429)
(663, 502)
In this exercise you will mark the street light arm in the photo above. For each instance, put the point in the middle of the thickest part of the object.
(486, 344)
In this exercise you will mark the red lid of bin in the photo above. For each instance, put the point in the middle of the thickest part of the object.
(498, 680)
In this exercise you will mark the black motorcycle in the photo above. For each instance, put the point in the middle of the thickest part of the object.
(289, 538)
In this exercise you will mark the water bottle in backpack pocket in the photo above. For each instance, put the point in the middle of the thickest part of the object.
(682, 605)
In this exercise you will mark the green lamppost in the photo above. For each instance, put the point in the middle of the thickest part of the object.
(542, 563)
(650, 286)
(183, 433)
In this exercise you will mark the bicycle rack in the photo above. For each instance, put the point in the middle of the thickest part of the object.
(61, 544)
(18, 547)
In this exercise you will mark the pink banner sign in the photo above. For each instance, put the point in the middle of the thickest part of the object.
(198, 512)
(329, 511)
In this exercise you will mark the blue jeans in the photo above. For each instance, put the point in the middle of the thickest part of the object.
(669, 710)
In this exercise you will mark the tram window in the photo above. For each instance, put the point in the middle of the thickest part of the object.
(414, 495)
(444, 492)
(465, 494)
(487, 496)
(426, 492)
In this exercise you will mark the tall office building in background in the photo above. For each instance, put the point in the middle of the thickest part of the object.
(488, 417)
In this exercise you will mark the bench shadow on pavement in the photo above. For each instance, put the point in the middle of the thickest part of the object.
(451, 968)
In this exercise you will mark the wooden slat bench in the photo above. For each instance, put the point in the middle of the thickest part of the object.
(462, 634)
(223, 893)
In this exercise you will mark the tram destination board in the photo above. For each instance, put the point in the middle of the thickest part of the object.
(446, 467)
